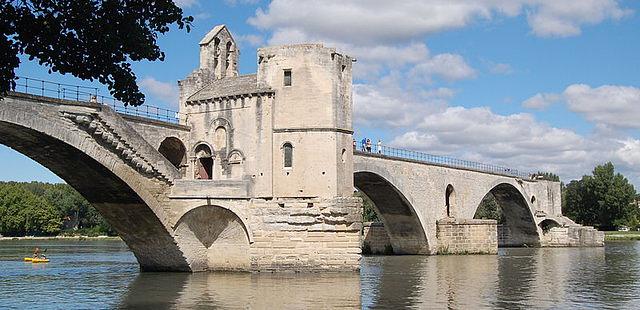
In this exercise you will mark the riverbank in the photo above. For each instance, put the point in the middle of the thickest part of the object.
(61, 238)
(621, 235)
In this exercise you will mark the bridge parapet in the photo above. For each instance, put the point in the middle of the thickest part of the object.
(414, 156)
(86, 94)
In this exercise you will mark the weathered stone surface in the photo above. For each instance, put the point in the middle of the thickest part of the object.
(467, 236)
(259, 174)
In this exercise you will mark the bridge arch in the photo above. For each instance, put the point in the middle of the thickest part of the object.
(174, 151)
(81, 149)
(519, 227)
(218, 236)
(400, 219)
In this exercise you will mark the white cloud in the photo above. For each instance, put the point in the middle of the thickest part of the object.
(611, 105)
(236, 2)
(162, 91)
(500, 68)
(386, 104)
(448, 66)
(564, 18)
(251, 39)
(519, 141)
(618, 106)
(375, 22)
(541, 101)
(186, 3)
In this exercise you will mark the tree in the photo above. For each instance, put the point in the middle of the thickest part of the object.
(548, 176)
(604, 199)
(489, 209)
(368, 210)
(86, 38)
(23, 213)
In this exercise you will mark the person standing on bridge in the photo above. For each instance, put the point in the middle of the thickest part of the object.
(368, 145)
(363, 144)
(379, 146)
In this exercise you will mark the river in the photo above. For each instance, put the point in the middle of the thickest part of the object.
(103, 274)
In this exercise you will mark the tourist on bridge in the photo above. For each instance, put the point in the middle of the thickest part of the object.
(368, 146)
(363, 144)
(379, 146)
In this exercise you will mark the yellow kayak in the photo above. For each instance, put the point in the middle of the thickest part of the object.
(36, 260)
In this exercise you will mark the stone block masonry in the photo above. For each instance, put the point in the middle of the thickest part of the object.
(375, 239)
(306, 235)
(467, 236)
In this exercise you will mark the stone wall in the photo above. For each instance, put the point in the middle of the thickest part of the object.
(375, 239)
(306, 235)
(467, 236)
(281, 234)
(572, 236)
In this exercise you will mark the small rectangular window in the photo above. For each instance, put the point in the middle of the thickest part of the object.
(287, 77)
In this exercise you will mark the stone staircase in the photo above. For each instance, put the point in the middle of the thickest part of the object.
(111, 131)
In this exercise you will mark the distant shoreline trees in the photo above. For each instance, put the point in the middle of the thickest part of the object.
(604, 199)
(42, 209)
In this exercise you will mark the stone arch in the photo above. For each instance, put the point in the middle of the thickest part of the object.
(547, 224)
(174, 151)
(70, 145)
(218, 237)
(220, 136)
(450, 200)
(519, 228)
(400, 219)
(221, 121)
(203, 154)
(236, 160)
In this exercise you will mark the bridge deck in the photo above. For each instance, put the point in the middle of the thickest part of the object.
(443, 161)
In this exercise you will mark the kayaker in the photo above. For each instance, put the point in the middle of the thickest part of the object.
(36, 252)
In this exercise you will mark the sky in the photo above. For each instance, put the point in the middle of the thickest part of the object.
(537, 85)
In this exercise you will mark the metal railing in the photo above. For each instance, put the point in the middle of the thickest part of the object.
(373, 148)
(79, 93)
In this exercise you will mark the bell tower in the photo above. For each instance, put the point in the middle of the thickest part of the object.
(219, 53)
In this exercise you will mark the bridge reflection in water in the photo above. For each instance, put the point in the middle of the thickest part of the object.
(244, 290)
(516, 278)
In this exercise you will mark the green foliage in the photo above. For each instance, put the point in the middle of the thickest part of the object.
(24, 213)
(489, 209)
(41, 209)
(368, 212)
(604, 199)
(86, 38)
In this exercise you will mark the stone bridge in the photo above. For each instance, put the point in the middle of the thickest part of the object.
(258, 173)
(412, 196)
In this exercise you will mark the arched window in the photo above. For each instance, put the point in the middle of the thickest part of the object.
(220, 138)
(204, 162)
(450, 199)
(228, 60)
(287, 150)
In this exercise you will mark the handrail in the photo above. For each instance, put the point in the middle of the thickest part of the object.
(373, 148)
(79, 93)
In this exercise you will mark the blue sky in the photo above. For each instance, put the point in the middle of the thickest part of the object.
(532, 84)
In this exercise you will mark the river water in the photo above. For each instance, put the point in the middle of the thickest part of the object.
(103, 274)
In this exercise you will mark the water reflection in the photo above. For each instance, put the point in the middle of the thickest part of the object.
(243, 290)
(104, 274)
(515, 279)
